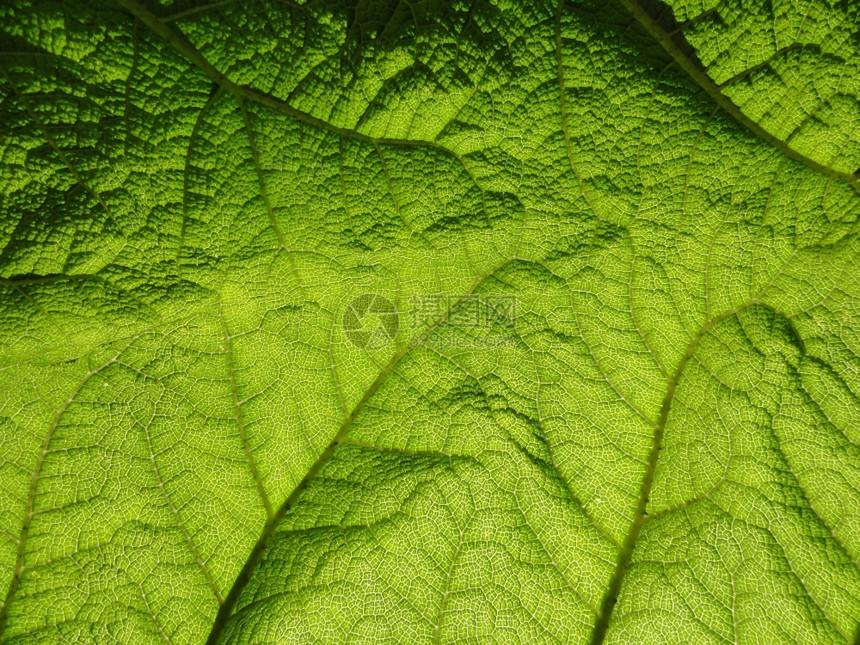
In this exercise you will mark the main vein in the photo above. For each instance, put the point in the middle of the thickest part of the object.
(29, 506)
(622, 565)
(713, 90)
(181, 44)
(226, 609)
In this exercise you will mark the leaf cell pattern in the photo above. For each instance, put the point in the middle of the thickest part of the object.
(660, 446)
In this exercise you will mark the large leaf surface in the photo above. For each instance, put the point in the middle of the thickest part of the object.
(620, 401)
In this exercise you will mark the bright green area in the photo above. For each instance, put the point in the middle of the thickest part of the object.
(677, 390)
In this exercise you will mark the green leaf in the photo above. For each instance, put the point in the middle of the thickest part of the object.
(383, 322)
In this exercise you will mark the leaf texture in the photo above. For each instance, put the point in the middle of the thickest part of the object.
(432, 322)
